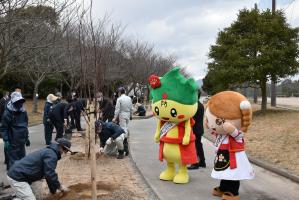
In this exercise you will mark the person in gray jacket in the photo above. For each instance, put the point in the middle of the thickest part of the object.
(123, 114)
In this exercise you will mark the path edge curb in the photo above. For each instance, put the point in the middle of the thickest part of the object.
(157, 196)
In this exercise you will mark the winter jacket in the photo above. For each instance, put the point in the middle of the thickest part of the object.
(3, 102)
(79, 105)
(56, 112)
(14, 126)
(198, 129)
(124, 107)
(38, 165)
(46, 119)
(107, 108)
(110, 129)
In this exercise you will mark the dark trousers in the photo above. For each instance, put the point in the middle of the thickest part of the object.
(14, 153)
(72, 116)
(199, 149)
(126, 145)
(48, 128)
(230, 186)
(59, 128)
(77, 120)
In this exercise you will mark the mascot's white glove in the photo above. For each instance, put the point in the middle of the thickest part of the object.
(109, 141)
(101, 150)
(64, 188)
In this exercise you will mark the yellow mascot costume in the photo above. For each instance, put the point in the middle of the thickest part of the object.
(228, 116)
(174, 104)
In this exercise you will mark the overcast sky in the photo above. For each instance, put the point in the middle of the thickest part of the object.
(185, 28)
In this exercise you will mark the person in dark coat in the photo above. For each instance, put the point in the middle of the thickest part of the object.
(106, 108)
(111, 138)
(198, 130)
(79, 106)
(14, 128)
(38, 165)
(48, 125)
(56, 115)
(3, 102)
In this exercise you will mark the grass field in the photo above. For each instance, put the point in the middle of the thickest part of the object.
(274, 137)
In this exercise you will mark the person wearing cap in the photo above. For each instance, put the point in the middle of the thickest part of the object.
(111, 138)
(48, 125)
(40, 164)
(14, 128)
(123, 112)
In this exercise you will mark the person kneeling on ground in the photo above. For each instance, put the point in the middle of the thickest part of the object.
(111, 138)
(140, 109)
(36, 166)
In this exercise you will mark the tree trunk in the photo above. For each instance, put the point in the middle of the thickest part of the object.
(255, 90)
(35, 98)
(264, 94)
(273, 92)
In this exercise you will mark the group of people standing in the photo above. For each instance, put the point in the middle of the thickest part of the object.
(64, 116)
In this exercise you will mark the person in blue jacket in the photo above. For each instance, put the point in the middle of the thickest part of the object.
(14, 128)
(36, 166)
(48, 125)
(56, 115)
(111, 138)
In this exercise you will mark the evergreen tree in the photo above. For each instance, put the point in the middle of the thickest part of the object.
(256, 47)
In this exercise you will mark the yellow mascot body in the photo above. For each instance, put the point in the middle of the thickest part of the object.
(174, 104)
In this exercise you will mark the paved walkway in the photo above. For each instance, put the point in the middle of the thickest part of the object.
(266, 185)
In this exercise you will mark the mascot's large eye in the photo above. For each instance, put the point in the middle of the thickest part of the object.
(173, 112)
(157, 110)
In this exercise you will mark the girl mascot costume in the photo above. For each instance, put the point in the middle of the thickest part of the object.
(228, 116)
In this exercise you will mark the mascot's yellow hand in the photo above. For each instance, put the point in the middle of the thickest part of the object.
(157, 137)
(186, 140)
(228, 127)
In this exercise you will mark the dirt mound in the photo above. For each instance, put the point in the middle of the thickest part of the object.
(82, 191)
(81, 156)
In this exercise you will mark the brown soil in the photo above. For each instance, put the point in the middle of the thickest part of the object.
(81, 191)
(118, 179)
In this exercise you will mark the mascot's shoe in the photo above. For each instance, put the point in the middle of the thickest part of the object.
(181, 178)
(168, 174)
(217, 192)
(229, 196)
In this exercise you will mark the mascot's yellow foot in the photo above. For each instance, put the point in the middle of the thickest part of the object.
(168, 174)
(181, 178)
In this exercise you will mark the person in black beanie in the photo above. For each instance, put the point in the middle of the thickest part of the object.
(198, 130)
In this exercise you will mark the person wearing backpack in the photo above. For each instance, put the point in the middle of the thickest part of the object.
(48, 125)
(15, 129)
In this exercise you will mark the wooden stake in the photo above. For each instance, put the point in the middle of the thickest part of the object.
(93, 161)
(87, 133)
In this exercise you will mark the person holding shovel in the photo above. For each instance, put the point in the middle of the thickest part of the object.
(36, 166)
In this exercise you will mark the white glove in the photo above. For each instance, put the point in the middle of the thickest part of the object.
(109, 141)
(101, 150)
(64, 188)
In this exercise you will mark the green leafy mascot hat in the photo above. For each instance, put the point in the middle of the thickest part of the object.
(173, 86)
